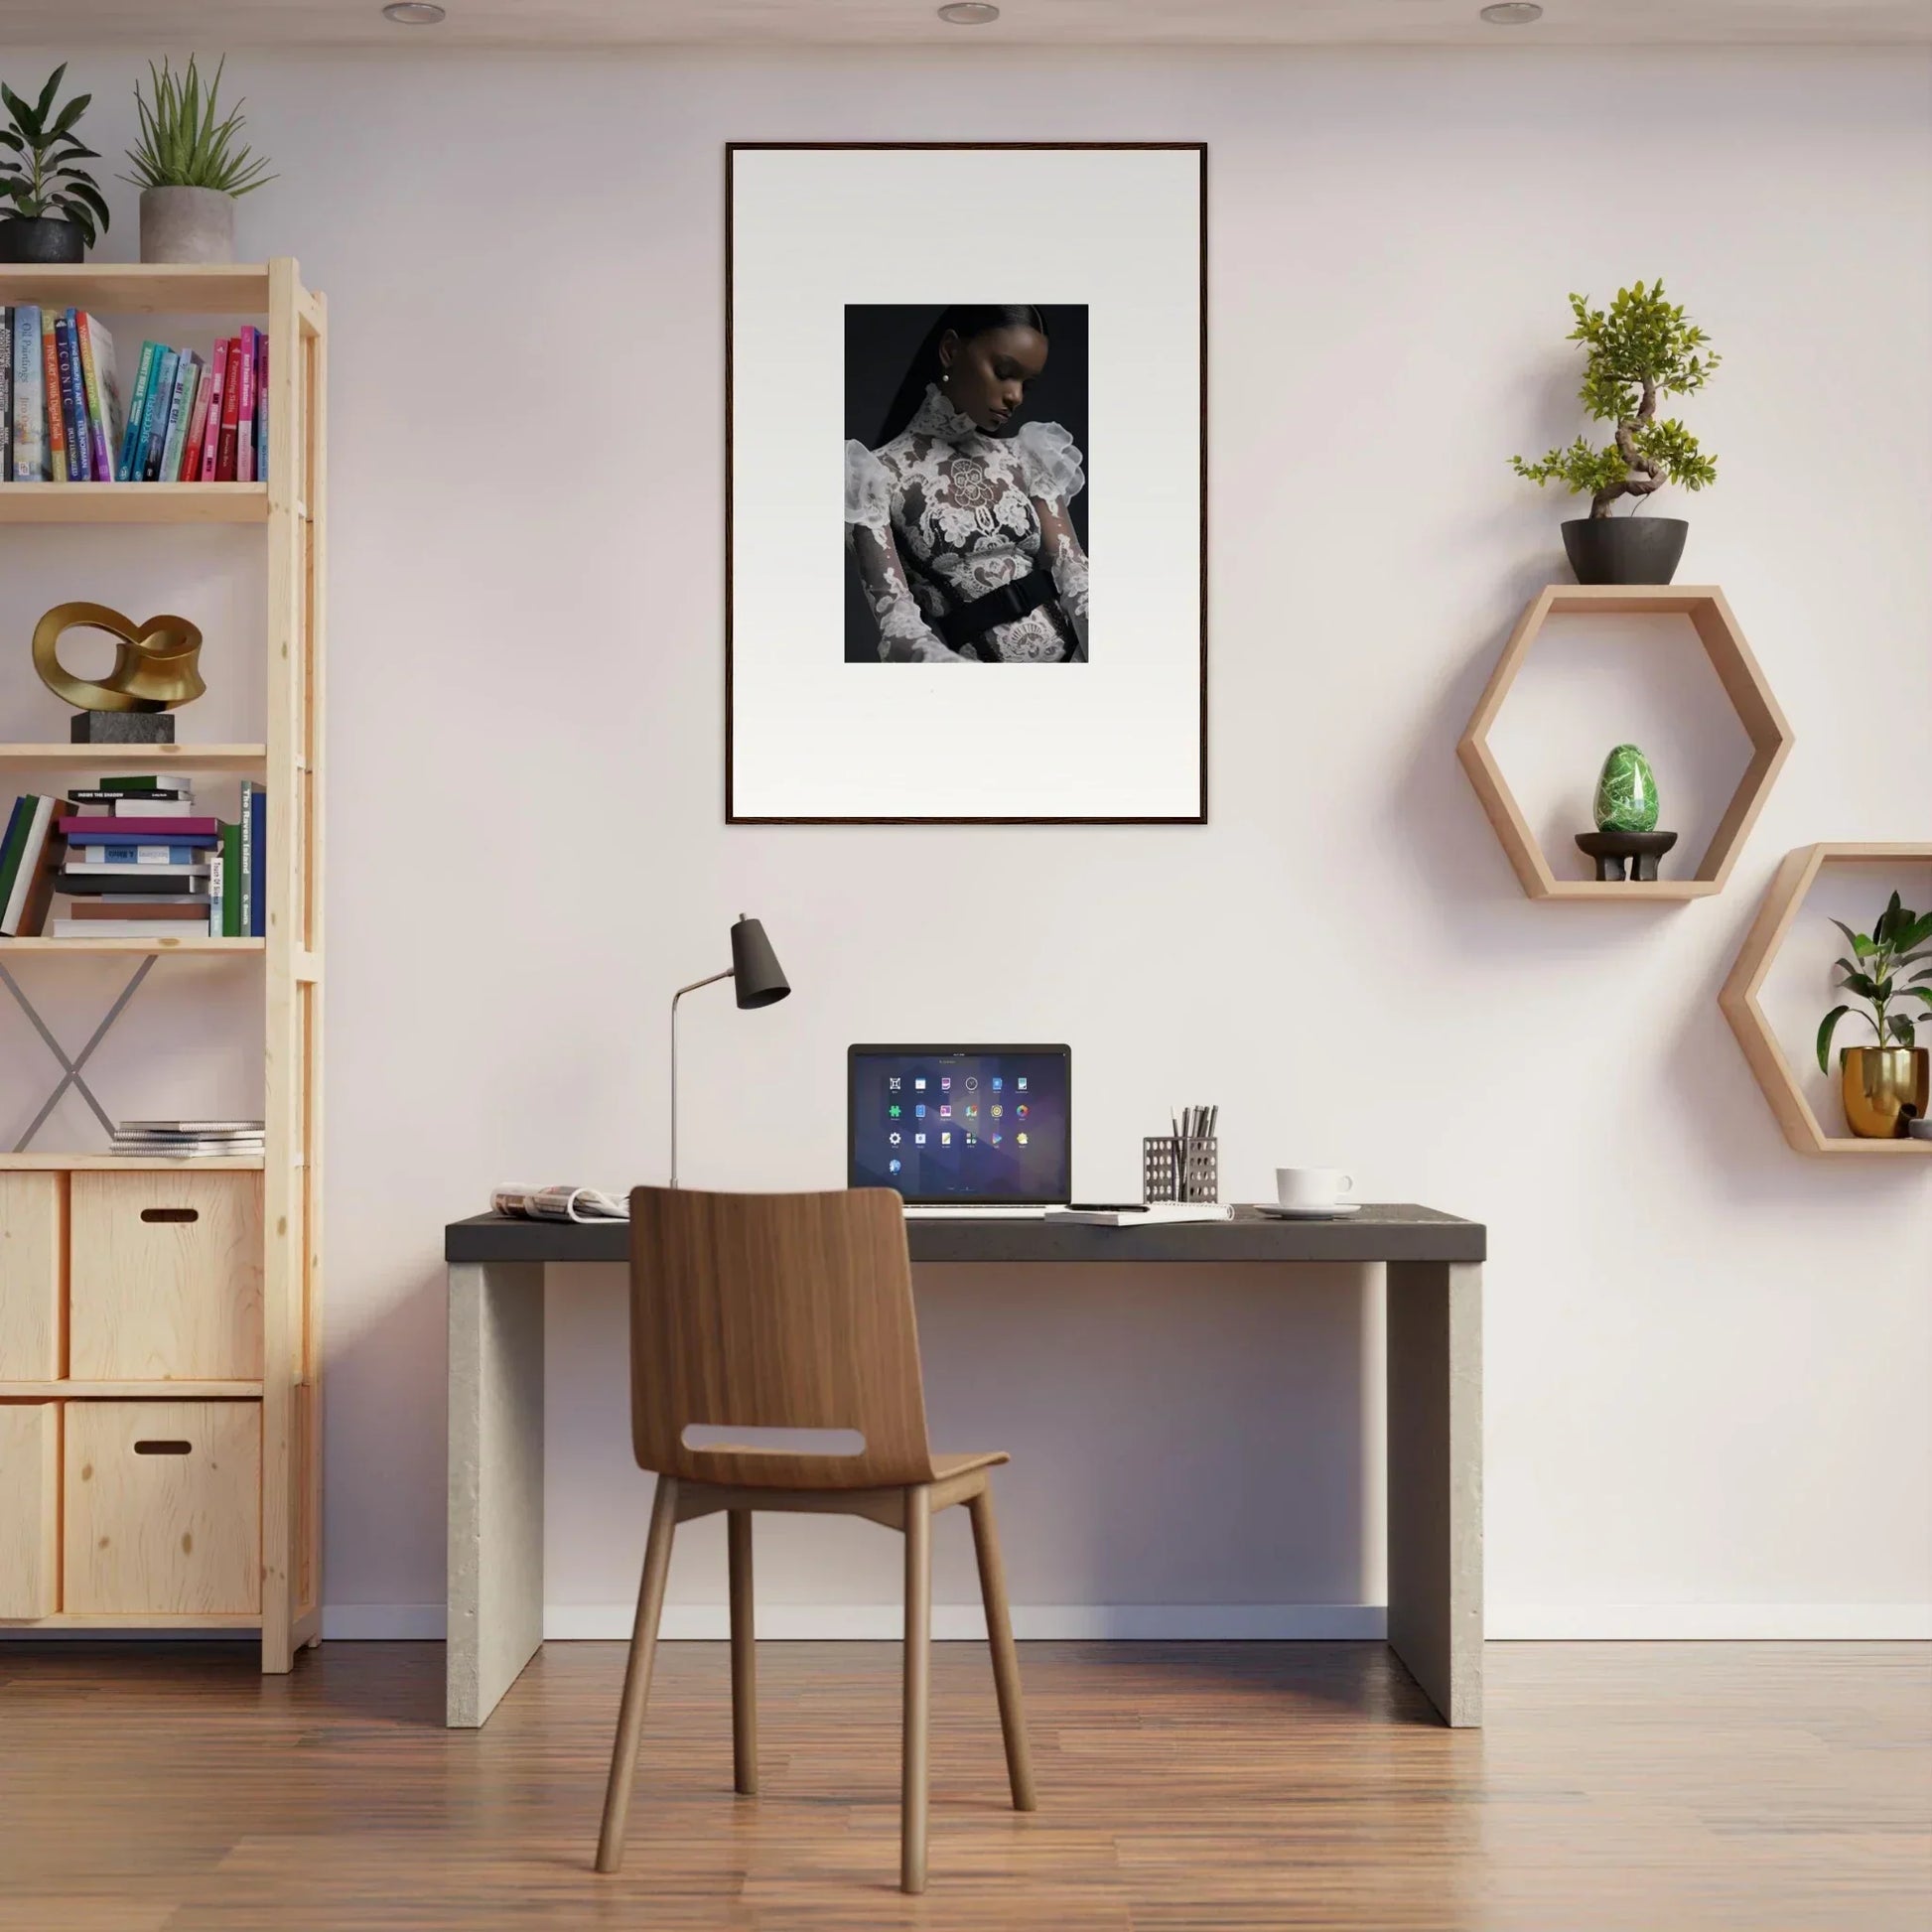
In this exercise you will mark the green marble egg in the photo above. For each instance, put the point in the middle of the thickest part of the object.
(1627, 793)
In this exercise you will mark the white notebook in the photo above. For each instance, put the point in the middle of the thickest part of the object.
(1164, 1215)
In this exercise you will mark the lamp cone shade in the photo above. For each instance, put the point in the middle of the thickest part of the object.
(758, 979)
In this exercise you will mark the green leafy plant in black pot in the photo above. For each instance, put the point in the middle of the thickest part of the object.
(1639, 351)
(1888, 1085)
(53, 209)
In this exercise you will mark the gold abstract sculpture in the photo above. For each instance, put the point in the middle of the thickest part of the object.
(154, 662)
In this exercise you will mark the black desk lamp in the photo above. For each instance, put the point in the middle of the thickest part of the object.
(761, 981)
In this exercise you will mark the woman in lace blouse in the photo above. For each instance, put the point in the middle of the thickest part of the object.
(958, 527)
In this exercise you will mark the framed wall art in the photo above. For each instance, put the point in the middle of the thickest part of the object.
(966, 539)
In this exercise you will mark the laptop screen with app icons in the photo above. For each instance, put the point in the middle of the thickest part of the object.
(989, 1125)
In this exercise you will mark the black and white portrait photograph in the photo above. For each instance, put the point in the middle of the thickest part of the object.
(920, 481)
(966, 485)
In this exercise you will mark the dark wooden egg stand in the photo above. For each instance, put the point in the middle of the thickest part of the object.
(1611, 849)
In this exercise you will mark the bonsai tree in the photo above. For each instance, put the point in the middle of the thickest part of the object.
(37, 149)
(1899, 939)
(1640, 351)
(185, 141)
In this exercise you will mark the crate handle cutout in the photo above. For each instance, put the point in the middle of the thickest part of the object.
(150, 1446)
(171, 1213)
(772, 1441)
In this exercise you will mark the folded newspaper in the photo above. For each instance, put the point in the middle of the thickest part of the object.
(560, 1204)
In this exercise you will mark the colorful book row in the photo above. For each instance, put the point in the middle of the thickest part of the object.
(187, 420)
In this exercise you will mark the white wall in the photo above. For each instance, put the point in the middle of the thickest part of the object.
(1706, 1357)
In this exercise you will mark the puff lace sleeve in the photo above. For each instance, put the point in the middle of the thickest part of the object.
(867, 488)
(1050, 462)
(1050, 469)
(904, 636)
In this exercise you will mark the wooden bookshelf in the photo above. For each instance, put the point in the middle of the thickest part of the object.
(198, 942)
(31, 1162)
(50, 1197)
(130, 502)
(247, 760)
(136, 289)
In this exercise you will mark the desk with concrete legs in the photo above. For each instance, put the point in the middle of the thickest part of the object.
(1435, 1412)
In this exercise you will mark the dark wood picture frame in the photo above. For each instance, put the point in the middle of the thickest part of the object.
(731, 150)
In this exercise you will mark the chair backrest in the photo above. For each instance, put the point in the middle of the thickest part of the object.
(774, 1311)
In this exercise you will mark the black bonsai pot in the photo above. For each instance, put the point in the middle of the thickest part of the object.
(40, 240)
(1624, 549)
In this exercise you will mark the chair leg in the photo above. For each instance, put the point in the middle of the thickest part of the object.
(745, 1669)
(1005, 1660)
(636, 1676)
(918, 1687)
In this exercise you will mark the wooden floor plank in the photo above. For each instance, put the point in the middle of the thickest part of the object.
(1218, 1787)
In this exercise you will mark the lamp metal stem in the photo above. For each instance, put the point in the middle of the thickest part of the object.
(676, 998)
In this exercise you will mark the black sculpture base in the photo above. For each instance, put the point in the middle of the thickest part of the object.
(122, 728)
(1611, 849)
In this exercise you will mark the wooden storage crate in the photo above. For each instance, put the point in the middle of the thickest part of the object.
(30, 1508)
(33, 1258)
(162, 1507)
(165, 1277)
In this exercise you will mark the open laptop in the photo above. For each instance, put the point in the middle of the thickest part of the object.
(975, 1130)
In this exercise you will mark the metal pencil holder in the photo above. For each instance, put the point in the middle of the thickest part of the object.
(1174, 1171)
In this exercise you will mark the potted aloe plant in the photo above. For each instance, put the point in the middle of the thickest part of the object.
(1637, 353)
(188, 168)
(1885, 1085)
(50, 211)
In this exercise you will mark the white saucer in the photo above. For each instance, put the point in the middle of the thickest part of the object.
(1272, 1213)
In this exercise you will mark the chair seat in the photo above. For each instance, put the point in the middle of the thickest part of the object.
(955, 1479)
(944, 1467)
(953, 1483)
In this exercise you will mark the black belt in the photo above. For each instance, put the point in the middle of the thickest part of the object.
(1004, 606)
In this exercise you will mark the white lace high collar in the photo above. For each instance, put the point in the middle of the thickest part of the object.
(935, 415)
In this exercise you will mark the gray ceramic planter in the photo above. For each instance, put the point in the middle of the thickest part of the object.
(187, 225)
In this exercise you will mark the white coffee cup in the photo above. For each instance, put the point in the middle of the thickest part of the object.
(1311, 1187)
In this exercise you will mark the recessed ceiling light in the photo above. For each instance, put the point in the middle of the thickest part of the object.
(969, 13)
(1512, 13)
(414, 13)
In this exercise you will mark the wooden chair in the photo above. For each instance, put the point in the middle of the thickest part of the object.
(793, 1312)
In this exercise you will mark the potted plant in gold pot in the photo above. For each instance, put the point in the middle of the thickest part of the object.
(1888, 1085)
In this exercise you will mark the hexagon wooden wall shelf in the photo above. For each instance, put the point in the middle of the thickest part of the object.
(1738, 998)
(1744, 685)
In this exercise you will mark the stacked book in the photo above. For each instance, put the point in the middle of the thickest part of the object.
(188, 419)
(136, 861)
(30, 857)
(188, 1140)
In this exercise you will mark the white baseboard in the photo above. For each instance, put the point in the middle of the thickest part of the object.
(1195, 1623)
(1144, 1622)
(955, 1622)
(817, 1622)
(1709, 1623)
